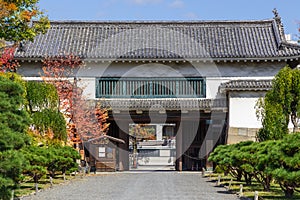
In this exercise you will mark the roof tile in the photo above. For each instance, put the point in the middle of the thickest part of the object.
(247, 85)
(161, 40)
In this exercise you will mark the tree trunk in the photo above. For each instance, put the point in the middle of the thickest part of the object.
(64, 175)
(239, 176)
(248, 179)
(36, 187)
(36, 180)
(294, 122)
(267, 183)
(289, 192)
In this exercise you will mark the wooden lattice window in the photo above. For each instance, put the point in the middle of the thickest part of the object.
(150, 87)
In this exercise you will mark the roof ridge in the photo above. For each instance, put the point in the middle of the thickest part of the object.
(156, 21)
(226, 40)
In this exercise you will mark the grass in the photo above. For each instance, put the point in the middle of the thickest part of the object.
(28, 187)
(248, 190)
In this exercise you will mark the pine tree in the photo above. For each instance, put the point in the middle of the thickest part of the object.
(14, 122)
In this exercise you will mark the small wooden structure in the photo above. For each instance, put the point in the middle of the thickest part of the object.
(102, 153)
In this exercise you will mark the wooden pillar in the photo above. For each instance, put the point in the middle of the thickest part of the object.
(124, 148)
(179, 147)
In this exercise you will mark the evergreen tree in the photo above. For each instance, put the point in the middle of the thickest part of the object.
(37, 167)
(287, 172)
(14, 122)
(280, 106)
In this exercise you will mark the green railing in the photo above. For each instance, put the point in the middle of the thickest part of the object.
(107, 87)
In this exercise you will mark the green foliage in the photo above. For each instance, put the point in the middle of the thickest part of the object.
(11, 102)
(11, 166)
(14, 122)
(17, 79)
(227, 157)
(277, 160)
(62, 158)
(51, 120)
(41, 96)
(280, 105)
(52, 159)
(15, 18)
(43, 104)
(5, 187)
(13, 118)
(36, 156)
(287, 173)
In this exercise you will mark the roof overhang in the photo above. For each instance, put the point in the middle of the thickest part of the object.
(164, 104)
(246, 85)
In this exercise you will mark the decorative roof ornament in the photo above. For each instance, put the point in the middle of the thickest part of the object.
(279, 24)
(275, 11)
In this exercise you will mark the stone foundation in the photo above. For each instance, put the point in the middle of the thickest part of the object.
(236, 135)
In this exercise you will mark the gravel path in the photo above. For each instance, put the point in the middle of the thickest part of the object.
(143, 186)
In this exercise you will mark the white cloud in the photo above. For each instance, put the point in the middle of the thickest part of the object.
(177, 4)
(143, 2)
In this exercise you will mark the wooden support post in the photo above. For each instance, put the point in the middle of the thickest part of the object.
(36, 188)
(241, 190)
(203, 172)
(256, 195)
(124, 148)
(230, 183)
(12, 194)
(51, 181)
(179, 147)
(219, 180)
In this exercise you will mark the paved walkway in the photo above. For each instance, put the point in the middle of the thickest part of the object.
(137, 185)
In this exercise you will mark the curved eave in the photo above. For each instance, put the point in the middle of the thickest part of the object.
(167, 104)
(245, 89)
(96, 60)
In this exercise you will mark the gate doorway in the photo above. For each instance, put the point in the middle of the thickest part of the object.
(184, 143)
(152, 146)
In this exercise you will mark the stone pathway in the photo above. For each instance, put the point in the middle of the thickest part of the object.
(137, 185)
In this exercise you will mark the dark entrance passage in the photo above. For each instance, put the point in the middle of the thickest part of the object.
(192, 137)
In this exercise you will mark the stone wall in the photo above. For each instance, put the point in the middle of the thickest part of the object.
(236, 135)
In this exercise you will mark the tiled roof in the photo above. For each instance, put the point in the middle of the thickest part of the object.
(163, 104)
(247, 85)
(163, 40)
(96, 139)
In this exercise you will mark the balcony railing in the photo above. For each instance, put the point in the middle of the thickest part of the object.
(150, 87)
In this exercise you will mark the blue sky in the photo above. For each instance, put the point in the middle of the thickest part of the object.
(289, 10)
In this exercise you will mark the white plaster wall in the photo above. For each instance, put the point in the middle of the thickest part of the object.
(242, 113)
(173, 69)
(89, 87)
(215, 73)
(212, 87)
(165, 69)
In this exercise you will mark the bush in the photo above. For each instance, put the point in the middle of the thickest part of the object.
(265, 161)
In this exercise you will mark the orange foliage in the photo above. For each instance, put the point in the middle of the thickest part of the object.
(6, 8)
(27, 15)
(85, 119)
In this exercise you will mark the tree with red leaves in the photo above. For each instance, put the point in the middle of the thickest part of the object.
(7, 64)
(86, 119)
